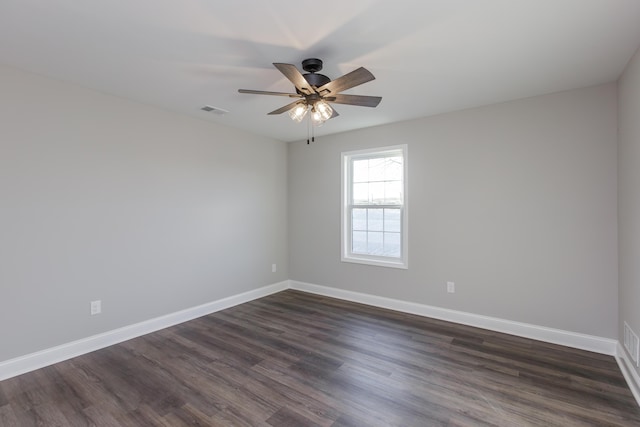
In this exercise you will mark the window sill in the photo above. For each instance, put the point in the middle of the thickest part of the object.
(376, 262)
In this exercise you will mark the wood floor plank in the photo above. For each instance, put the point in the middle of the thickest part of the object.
(8, 417)
(297, 359)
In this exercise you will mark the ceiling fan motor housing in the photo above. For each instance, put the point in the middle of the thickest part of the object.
(312, 66)
(316, 80)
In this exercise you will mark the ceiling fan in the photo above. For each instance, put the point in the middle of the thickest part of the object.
(315, 91)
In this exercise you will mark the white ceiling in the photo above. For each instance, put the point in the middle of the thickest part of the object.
(428, 56)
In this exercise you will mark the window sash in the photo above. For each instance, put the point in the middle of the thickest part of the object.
(392, 238)
(381, 185)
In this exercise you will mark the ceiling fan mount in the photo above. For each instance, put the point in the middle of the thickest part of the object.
(312, 65)
(314, 91)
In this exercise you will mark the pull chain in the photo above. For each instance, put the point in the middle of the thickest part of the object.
(310, 131)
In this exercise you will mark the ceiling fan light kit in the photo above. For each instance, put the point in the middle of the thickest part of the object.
(315, 91)
(320, 112)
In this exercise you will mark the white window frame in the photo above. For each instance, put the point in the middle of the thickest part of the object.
(346, 199)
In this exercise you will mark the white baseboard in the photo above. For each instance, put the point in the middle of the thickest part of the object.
(20, 365)
(629, 371)
(40, 359)
(541, 333)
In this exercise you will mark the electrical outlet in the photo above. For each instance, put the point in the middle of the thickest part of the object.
(274, 268)
(451, 287)
(96, 307)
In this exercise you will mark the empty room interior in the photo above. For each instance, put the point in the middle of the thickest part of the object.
(363, 213)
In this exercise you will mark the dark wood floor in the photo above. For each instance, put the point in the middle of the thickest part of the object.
(295, 359)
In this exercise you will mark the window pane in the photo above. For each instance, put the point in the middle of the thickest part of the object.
(376, 169)
(375, 220)
(360, 170)
(375, 240)
(393, 192)
(377, 193)
(359, 242)
(359, 219)
(392, 220)
(392, 244)
(361, 193)
(393, 169)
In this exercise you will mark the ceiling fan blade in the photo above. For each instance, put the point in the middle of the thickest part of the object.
(291, 72)
(359, 100)
(285, 108)
(349, 80)
(264, 92)
(334, 113)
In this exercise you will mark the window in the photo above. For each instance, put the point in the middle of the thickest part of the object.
(374, 201)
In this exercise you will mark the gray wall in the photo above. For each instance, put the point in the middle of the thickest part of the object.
(149, 211)
(629, 195)
(152, 212)
(515, 203)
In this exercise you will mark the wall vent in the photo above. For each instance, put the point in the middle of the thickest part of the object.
(631, 343)
(214, 110)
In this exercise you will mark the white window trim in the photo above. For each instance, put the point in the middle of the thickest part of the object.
(345, 226)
